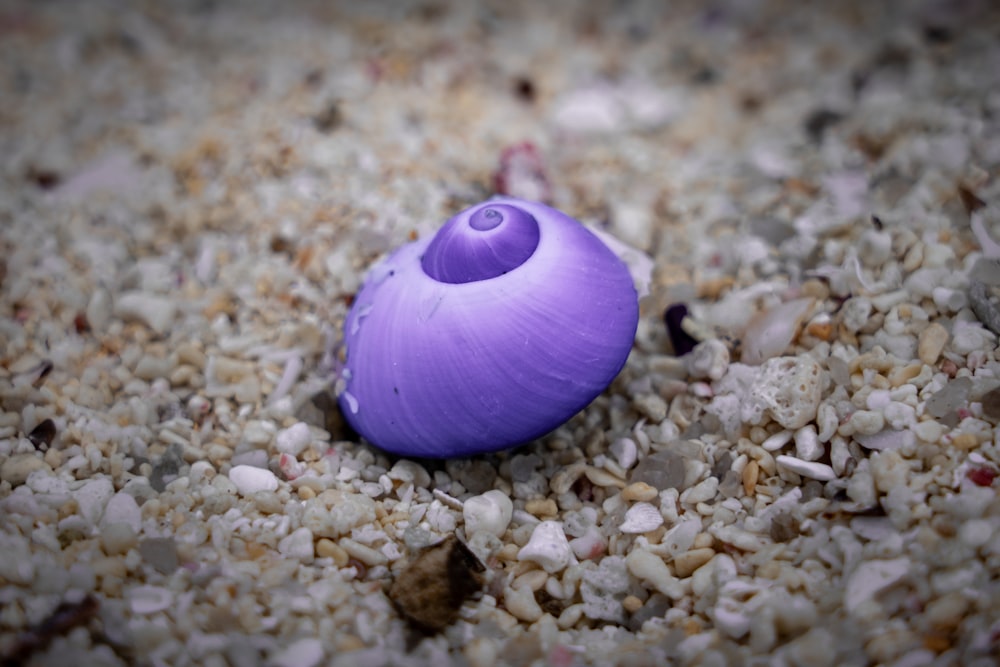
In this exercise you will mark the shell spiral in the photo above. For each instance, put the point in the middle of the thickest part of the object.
(493, 332)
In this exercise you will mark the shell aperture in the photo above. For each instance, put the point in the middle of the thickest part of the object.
(446, 362)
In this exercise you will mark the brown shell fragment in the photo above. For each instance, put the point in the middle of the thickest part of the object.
(429, 591)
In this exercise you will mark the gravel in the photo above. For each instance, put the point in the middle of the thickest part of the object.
(192, 193)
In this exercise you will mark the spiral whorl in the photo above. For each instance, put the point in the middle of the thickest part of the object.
(480, 243)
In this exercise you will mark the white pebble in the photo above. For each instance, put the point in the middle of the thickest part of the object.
(641, 518)
(807, 444)
(250, 479)
(299, 545)
(548, 547)
(701, 492)
(306, 652)
(521, 603)
(650, 568)
(976, 532)
(155, 311)
(810, 469)
(489, 512)
(777, 441)
(708, 360)
(625, 452)
(122, 508)
(92, 498)
(871, 577)
(294, 439)
(149, 599)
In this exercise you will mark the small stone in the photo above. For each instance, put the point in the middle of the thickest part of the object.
(687, 562)
(701, 492)
(931, 343)
(947, 611)
(144, 600)
(810, 469)
(117, 538)
(17, 468)
(866, 422)
(641, 518)
(650, 568)
(92, 498)
(543, 508)
(489, 512)
(991, 405)
(521, 603)
(652, 406)
(548, 547)
(639, 491)
(160, 553)
(250, 479)
(625, 452)
(327, 548)
(99, 310)
(708, 360)
(298, 545)
(122, 508)
(307, 652)
(294, 439)
(954, 395)
(155, 311)
(807, 444)
(870, 578)
(661, 470)
(790, 389)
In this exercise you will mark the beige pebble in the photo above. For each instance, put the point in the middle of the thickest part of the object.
(931, 343)
(365, 554)
(601, 477)
(632, 604)
(751, 472)
(481, 652)
(964, 441)
(902, 374)
(17, 468)
(522, 604)
(117, 538)
(327, 548)
(946, 612)
(639, 491)
(689, 561)
(306, 493)
(543, 508)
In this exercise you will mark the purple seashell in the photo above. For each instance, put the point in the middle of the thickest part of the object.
(488, 335)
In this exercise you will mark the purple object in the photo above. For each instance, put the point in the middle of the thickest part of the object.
(505, 324)
(680, 339)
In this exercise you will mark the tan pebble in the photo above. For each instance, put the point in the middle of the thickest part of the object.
(111, 586)
(327, 548)
(481, 652)
(751, 473)
(692, 627)
(902, 374)
(702, 540)
(632, 604)
(713, 287)
(964, 441)
(363, 553)
(521, 603)
(542, 508)
(639, 491)
(931, 343)
(816, 289)
(306, 493)
(946, 612)
(533, 579)
(601, 477)
(937, 643)
(689, 561)
(348, 643)
(822, 329)
(508, 552)
(109, 566)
